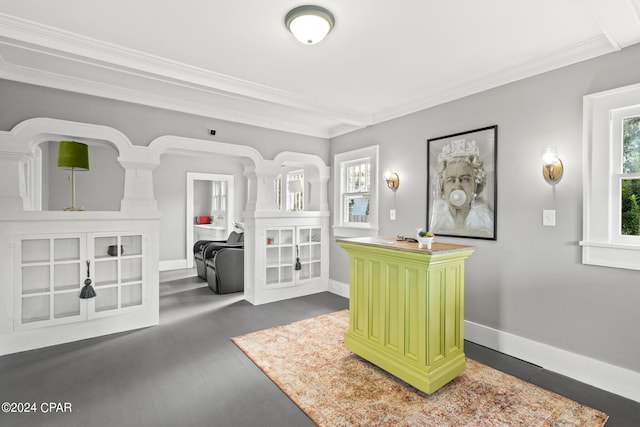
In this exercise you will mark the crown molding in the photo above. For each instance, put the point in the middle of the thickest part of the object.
(155, 99)
(619, 20)
(38, 54)
(581, 51)
(344, 129)
(94, 67)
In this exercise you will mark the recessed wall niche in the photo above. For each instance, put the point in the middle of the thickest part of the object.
(101, 188)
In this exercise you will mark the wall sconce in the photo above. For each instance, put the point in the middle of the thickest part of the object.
(392, 178)
(552, 167)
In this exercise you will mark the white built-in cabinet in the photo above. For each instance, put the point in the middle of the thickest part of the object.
(284, 247)
(43, 262)
(52, 269)
(281, 240)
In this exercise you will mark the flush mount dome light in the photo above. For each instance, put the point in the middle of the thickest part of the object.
(309, 24)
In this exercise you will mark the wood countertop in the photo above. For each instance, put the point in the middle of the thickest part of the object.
(387, 242)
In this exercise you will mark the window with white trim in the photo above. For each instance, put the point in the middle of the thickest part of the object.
(611, 235)
(357, 191)
(625, 126)
(355, 197)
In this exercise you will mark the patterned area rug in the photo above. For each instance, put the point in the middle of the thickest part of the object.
(309, 362)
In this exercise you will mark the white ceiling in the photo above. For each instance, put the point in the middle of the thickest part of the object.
(235, 60)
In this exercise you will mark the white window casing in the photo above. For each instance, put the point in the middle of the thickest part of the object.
(602, 242)
(364, 226)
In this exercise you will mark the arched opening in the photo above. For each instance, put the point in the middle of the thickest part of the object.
(42, 186)
(101, 188)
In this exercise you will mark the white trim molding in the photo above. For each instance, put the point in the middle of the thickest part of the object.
(601, 242)
(619, 20)
(580, 51)
(174, 264)
(621, 381)
(339, 288)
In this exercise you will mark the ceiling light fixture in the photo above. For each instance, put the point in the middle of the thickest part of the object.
(309, 24)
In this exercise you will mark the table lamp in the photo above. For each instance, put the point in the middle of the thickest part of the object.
(73, 155)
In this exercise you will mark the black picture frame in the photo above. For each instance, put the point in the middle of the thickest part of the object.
(462, 182)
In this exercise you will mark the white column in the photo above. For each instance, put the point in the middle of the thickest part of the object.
(318, 179)
(138, 187)
(262, 196)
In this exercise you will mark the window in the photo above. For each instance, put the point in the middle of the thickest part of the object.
(355, 198)
(357, 181)
(292, 193)
(611, 235)
(219, 196)
(625, 176)
(630, 179)
(295, 191)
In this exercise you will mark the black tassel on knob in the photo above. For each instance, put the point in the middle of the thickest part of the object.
(87, 290)
(298, 264)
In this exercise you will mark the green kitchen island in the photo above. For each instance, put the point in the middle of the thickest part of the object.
(407, 308)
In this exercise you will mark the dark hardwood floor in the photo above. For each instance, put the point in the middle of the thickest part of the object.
(187, 372)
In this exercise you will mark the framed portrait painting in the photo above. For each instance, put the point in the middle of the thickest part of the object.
(461, 187)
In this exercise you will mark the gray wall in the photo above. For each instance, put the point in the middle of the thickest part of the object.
(170, 184)
(530, 281)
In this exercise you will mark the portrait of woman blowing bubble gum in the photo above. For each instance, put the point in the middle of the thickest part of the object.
(459, 207)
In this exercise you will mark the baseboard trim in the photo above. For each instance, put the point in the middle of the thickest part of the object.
(339, 288)
(621, 381)
(173, 264)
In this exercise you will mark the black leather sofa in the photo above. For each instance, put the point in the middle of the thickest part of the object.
(206, 249)
(225, 271)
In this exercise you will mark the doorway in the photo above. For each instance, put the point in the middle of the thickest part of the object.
(212, 196)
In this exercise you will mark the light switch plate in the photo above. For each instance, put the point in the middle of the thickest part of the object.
(549, 218)
(392, 214)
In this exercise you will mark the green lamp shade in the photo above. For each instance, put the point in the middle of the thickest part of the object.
(73, 154)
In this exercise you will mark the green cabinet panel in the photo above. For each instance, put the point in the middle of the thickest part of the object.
(407, 308)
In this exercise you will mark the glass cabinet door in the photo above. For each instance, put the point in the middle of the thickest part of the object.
(279, 256)
(118, 272)
(50, 279)
(52, 269)
(309, 247)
